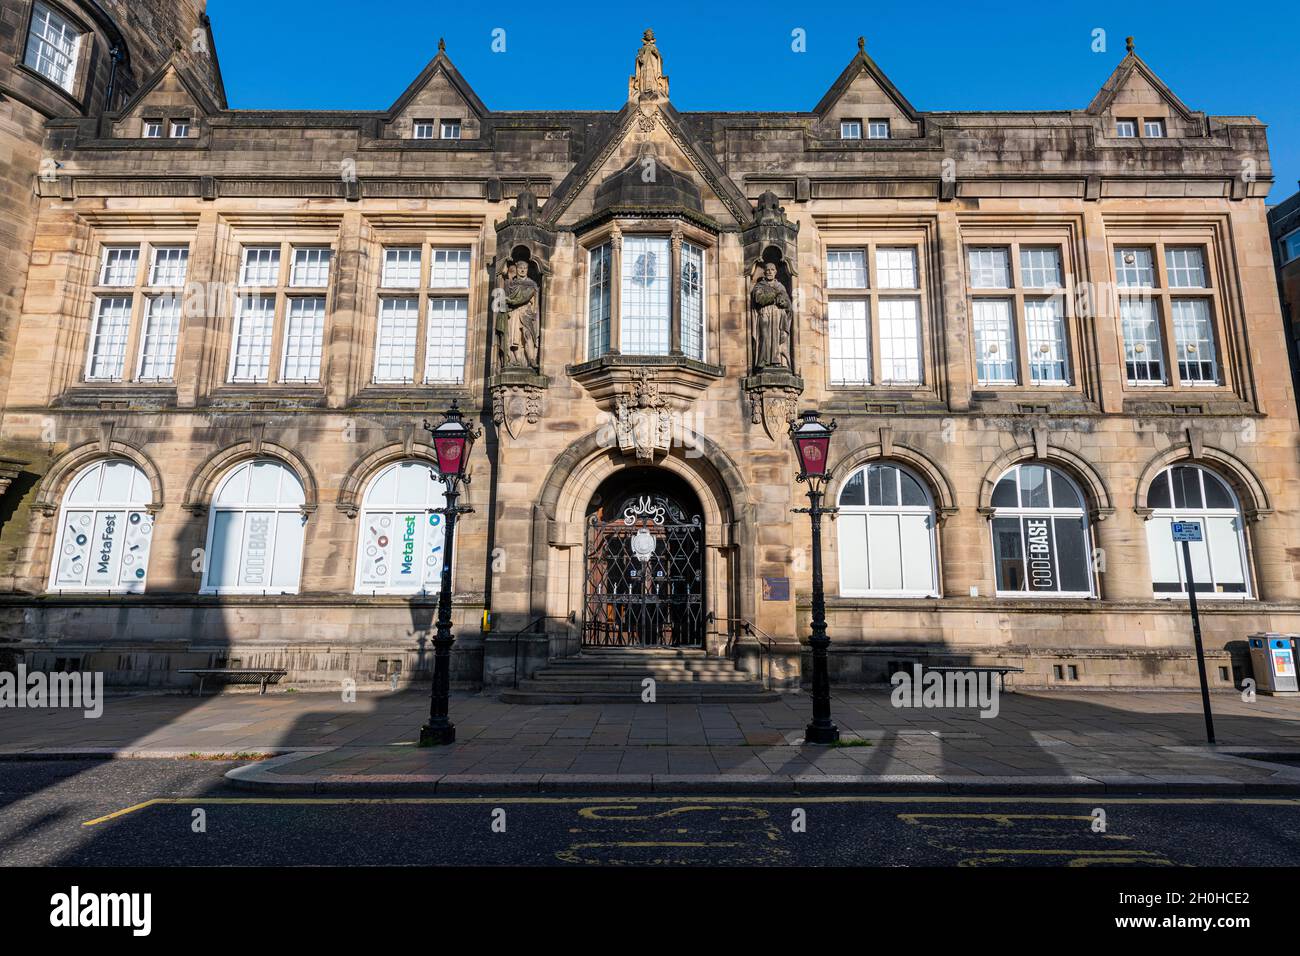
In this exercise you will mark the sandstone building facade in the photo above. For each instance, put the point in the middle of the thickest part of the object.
(1043, 336)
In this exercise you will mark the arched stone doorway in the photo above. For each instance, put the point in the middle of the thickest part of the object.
(644, 562)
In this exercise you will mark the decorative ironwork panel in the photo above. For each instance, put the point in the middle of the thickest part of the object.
(645, 576)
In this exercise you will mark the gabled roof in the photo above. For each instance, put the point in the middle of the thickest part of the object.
(1132, 63)
(861, 63)
(699, 157)
(440, 64)
(202, 98)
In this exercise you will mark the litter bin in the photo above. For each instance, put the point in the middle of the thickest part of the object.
(1273, 659)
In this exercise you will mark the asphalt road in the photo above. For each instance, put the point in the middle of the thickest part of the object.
(90, 813)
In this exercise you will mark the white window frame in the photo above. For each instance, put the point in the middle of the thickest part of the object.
(282, 505)
(1050, 512)
(132, 512)
(151, 129)
(878, 129)
(651, 331)
(1153, 128)
(1203, 515)
(43, 47)
(423, 129)
(298, 344)
(183, 258)
(851, 129)
(1126, 129)
(867, 511)
(150, 337)
(694, 300)
(450, 129)
(120, 356)
(600, 299)
(241, 334)
(448, 315)
(179, 129)
(308, 263)
(410, 316)
(106, 271)
(879, 278)
(372, 512)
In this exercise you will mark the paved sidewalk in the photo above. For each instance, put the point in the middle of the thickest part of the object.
(1044, 741)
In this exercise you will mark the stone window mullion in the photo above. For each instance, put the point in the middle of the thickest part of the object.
(675, 292)
(616, 293)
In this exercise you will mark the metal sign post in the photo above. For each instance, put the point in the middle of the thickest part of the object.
(1186, 532)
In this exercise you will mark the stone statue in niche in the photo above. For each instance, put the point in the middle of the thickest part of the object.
(773, 320)
(518, 328)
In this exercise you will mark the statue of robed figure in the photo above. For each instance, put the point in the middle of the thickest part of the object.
(772, 322)
(517, 325)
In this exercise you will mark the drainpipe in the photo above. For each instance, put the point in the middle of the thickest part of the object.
(116, 55)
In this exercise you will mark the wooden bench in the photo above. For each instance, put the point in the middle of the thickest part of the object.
(1000, 669)
(236, 675)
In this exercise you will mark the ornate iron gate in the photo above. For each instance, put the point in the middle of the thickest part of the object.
(645, 576)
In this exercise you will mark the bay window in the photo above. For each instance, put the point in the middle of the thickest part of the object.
(646, 295)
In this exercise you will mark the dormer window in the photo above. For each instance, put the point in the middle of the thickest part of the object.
(1154, 129)
(645, 296)
(422, 129)
(53, 45)
(152, 129)
(878, 129)
(450, 129)
(850, 129)
(180, 128)
(1126, 128)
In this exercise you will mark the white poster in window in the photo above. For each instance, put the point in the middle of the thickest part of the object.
(74, 549)
(135, 550)
(105, 549)
(259, 534)
(1039, 554)
(401, 551)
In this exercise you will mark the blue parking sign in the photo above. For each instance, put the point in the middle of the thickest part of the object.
(1186, 530)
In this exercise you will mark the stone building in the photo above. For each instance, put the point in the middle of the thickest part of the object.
(1043, 336)
(1284, 229)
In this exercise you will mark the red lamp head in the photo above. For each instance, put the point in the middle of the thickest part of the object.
(812, 443)
(452, 441)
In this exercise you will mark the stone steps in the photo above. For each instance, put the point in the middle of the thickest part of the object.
(599, 676)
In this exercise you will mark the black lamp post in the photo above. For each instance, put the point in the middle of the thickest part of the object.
(453, 438)
(812, 440)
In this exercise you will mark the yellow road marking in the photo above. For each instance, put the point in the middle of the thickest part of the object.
(736, 799)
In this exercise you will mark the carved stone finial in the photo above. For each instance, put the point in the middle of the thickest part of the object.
(442, 45)
(648, 80)
(1128, 42)
(862, 44)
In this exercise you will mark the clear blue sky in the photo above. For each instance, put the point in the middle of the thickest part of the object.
(340, 54)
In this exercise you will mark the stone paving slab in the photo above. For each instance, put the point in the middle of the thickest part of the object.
(1104, 741)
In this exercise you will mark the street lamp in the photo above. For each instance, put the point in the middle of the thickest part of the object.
(453, 438)
(812, 440)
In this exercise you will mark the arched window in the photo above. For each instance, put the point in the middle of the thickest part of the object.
(104, 530)
(399, 549)
(255, 532)
(886, 531)
(1191, 493)
(1040, 535)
